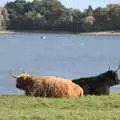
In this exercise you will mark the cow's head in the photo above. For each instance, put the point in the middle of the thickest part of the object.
(112, 76)
(22, 80)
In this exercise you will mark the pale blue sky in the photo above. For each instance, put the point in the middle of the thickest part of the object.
(81, 4)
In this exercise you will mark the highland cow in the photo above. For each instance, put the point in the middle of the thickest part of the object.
(47, 86)
(100, 84)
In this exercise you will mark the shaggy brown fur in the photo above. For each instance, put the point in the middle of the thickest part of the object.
(48, 86)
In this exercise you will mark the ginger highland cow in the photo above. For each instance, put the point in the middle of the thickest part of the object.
(47, 86)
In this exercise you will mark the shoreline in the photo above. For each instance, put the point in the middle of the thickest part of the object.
(103, 33)
(61, 32)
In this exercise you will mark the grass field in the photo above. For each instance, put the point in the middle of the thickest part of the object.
(16, 107)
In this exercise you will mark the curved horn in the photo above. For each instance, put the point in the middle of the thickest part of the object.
(117, 68)
(108, 67)
(13, 75)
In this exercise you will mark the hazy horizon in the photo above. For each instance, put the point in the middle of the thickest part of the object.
(78, 4)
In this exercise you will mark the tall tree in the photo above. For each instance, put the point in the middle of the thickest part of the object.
(3, 18)
(88, 19)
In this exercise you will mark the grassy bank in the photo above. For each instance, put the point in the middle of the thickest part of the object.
(15, 107)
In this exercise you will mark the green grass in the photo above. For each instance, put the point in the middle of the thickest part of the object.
(16, 107)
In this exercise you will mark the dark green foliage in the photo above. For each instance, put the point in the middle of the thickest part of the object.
(52, 15)
(114, 13)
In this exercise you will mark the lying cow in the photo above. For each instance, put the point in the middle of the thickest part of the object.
(100, 84)
(47, 86)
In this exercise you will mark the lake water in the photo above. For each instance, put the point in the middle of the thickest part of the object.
(63, 55)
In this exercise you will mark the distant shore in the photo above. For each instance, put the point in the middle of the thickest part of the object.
(34, 31)
(60, 32)
(6, 31)
(103, 33)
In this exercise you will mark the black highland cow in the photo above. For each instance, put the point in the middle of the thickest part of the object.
(100, 84)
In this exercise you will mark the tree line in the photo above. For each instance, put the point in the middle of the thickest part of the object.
(53, 15)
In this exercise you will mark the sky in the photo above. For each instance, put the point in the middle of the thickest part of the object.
(80, 4)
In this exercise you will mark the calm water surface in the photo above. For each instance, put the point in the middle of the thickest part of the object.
(64, 55)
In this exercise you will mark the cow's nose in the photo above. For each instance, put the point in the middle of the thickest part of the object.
(17, 86)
